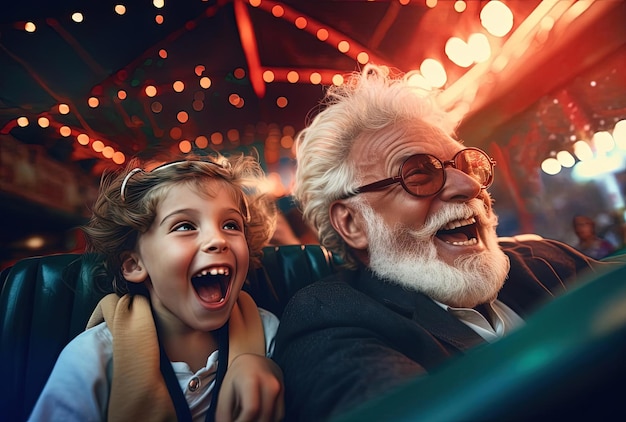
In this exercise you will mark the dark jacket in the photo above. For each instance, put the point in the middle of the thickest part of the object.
(352, 337)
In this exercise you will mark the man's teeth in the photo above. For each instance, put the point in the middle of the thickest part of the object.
(214, 271)
(468, 242)
(459, 223)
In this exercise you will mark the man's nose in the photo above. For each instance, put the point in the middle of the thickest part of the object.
(459, 186)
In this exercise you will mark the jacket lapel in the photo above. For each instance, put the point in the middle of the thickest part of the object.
(421, 309)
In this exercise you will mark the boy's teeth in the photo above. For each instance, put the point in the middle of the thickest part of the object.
(214, 271)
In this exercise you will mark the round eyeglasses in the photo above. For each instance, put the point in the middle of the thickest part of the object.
(425, 175)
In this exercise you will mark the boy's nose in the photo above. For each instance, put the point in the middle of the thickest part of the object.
(215, 244)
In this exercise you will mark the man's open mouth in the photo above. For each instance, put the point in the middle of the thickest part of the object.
(459, 232)
(211, 284)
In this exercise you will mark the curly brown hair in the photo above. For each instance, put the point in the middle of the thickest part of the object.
(128, 198)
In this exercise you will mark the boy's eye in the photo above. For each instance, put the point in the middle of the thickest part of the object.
(184, 227)
(232, 225)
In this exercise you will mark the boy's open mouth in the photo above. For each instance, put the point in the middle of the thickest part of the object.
(459, 232)
(211, 284)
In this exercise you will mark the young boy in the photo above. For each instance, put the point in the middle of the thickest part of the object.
(177, 241)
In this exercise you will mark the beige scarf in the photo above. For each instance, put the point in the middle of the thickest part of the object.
(138, 390)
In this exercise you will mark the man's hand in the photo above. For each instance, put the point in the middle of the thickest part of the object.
(252, 390)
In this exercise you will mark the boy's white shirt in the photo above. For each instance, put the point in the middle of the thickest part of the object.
(79, 385)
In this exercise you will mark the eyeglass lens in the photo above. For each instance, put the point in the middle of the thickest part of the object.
(424, 174)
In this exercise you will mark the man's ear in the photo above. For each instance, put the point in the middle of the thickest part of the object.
(132, 268)
(349, 224)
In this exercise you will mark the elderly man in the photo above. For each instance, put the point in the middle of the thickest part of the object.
(404, 205)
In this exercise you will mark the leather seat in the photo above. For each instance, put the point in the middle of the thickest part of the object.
(46, 301)
(567, 362)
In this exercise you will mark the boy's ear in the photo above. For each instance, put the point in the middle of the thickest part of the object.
(132, 268)
(349, 224)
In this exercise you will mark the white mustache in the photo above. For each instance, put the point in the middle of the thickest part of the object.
(452, 212)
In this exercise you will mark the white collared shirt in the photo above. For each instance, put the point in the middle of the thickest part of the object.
(79, 385)
(503, 319)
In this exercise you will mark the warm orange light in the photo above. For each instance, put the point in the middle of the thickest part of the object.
(176, 133)
(434, 72)
(65, 131)
(22, 121)
(83, 139)
(337, 80)
(178, 86)
(184, 146)
(182, 116)
(158, 19)
(458, 51)
(233, 99)
(322, 34)
(278, 11)
(286, 142)
(163, 53)
(205, 82)
(120, 9)
(202, 142)
(343, 46)
(197, 105)
(97, 145)
(199, 69)
(121, 94)
(119, 157)
(479, 47)
(43, 122)
(301, 22)
(293, 76)
(30, 27)
(496, 18)
(268, 76)
(281, 102)
(289, 130)
(217, 138)
(363, 57)
(77, 17)
(93, 102)
(239, 73)
(315, 78)
(64, 108)
(34, 242)
(460, 6)
(150, 90)
(232, 135)
(108, 152)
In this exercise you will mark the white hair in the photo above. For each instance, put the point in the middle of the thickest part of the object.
(368, 102)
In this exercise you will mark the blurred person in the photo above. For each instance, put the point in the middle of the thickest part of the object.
(283, 234)
(404, 205)
(589, 242)
(303, 232)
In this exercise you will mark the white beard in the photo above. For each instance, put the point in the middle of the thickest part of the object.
(409, 258)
